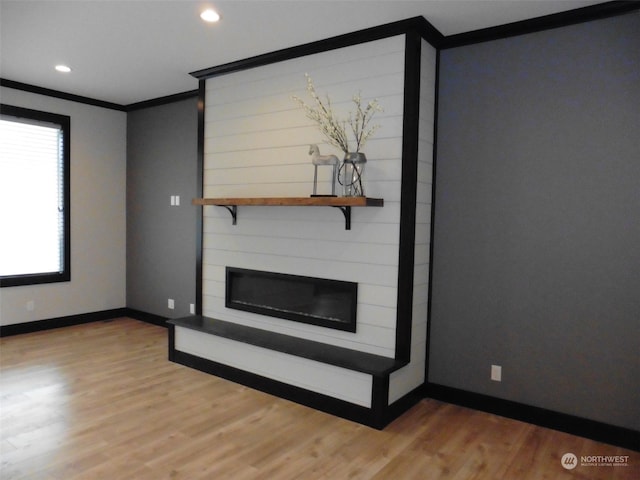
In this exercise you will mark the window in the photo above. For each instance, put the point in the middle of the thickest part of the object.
(34, 197)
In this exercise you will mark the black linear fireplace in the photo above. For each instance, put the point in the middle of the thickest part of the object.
(318, 301)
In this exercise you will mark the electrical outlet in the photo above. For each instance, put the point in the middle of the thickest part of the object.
(192, 309)
(171, 304)
(496, 373)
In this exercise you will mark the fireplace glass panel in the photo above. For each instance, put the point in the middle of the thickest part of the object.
(318, 301)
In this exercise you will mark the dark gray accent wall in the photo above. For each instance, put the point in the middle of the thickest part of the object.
(161, 239)
(537, 224)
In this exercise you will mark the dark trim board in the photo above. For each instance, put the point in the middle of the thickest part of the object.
(202, 91)
(147, 317)
(61, 95)
(434, 184)
(59, 322)
(68, 321)
(408, 195)
(404, 404)
(538, 24)
(156, 102)
(415, 24)
(598, 431)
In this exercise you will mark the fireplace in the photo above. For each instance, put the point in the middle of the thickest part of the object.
(317, 301)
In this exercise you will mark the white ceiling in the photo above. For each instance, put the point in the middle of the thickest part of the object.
(130, 51)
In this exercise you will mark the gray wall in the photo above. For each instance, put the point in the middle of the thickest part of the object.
(161, 239)
(537, 226)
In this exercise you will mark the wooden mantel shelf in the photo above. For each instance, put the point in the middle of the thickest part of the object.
(343, 203)
(293, 201)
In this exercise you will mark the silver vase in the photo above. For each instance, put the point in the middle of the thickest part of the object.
(351, 172)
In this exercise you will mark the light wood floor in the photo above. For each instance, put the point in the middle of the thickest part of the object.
(100, 401)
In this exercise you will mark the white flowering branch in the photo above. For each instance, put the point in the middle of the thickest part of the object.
(334, 129)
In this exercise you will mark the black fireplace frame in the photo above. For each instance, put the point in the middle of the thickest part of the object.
(348, 325)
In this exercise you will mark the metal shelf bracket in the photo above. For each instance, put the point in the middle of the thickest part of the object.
(233, 210)
(346, 211)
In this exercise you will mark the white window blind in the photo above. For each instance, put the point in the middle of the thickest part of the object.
(31, 197)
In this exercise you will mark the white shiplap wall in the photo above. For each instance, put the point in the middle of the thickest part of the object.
(412, 376)
(256, 144)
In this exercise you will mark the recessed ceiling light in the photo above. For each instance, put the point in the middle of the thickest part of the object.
(63, 68)
(210, 15)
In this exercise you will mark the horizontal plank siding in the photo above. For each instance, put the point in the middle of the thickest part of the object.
(256, 144)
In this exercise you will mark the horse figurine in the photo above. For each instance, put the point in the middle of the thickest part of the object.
(317, 159)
